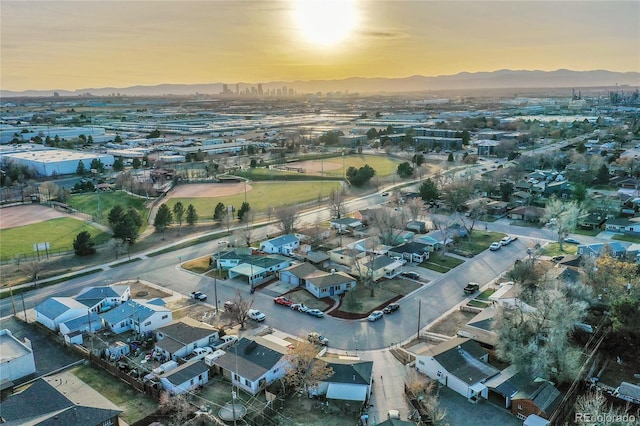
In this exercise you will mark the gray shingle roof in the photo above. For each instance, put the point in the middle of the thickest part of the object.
(139, 311)
(37, 400)
(252, 360)
(80, 416)
(185, 332)
(461, 358)
(102, 292)
(53, 307)
(186, 372)
(323, 279)
(358, 373)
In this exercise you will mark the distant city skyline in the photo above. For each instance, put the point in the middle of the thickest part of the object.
(69, 45)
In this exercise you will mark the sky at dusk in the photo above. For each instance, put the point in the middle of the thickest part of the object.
(90, 44)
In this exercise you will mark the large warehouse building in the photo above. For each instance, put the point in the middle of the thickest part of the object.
(48, 162)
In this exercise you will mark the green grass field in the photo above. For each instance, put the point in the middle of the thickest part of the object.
(384, 166)
(262, 195)
(88, 203)
(60, 233)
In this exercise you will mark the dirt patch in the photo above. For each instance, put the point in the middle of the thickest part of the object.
(449, 325)
(139, 290)
(314, 166)
(208, 190)
(11, 217)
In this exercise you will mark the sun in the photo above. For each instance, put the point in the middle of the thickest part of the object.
(325, 22)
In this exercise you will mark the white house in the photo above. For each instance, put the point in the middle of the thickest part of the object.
(295, 273)
(351, 380)
(460, 364)
(260, 269)
(103, 298)
(253, 364)
(325, 284)
(378, 267)
(185, 378)
(16, 357)
(140, 316)
(412, 251)
(285, 244)
(180, 338)
(55, 310)
(345, 224)
(72, 329)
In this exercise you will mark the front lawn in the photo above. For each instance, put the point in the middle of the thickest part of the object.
(199, 265)
(135, 406)
(629, 238)
(485, 294)
(360, 302)
(553, 249)
(479, 242)
(440, 263)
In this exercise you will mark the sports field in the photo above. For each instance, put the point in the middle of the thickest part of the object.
(59, 233)
(259, 195)
(88, 203)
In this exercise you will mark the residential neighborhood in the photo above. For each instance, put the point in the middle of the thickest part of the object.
(372, 261)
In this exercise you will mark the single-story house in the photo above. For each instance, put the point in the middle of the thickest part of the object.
(367, 216)
(87, 323)
(539, 397)
(413, 252)
(351, 380)
(378, 267)
(560, 189)
(521, 197)
(431, 243)
(295, 273)
(593, 220)
(369, 245)
(260, 269)
(480, 328)
(460, 364)
(345, 256)
(496, 208)
(42, 404)
(185, 378)
(230, 258)
(313, 235)
(507, 295)
(317, 258)
(284, 244)
(253, 364)
(180, 338)
(103, 298)
(441, 237)
(324, 284)
(16, 360)
(529, 213)
(55, 310)
(345, 224)
(622, 225)
(137, 315)
(615, 248)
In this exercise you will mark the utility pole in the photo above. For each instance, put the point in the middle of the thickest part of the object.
(419, 308)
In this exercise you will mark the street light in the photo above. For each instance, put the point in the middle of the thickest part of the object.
(419, 309)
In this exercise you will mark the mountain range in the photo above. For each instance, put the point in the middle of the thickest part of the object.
(502, 79)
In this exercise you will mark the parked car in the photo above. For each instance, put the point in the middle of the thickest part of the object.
(317, 338)
(411, 274)
(385, 194)
(300, 307)
(283, 301)
(199, 296)
(391, 307)
(256, 315)
(225, 342)
(506, 241)
(375, 315)
(495, 246)
(399, 259)
(571, 240)
(471, 287)
(316, 313)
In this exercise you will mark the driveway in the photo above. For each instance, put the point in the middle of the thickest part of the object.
(460, 412)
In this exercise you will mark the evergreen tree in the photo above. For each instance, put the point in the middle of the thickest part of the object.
(192, 215)
(118, 164)
(428, 190)
(82, 244)
(81, 169)
(164, 217)
(219, 212)
(244, 209)
(178, 212)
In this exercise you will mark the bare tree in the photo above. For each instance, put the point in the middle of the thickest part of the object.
(48, 191)
(176, 407)
(363, 266)
(457, 193)
(476, 209)
(33, 268)
(336, 204)
(240, 308)
(594, 405)
(414, 207)
(304, 370)
(287, 215)
(388, 225)
(424, 390)
(562, 216)
(247, 232)
(535, 338)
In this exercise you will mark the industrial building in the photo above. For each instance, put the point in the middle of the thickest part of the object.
(52, 161)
